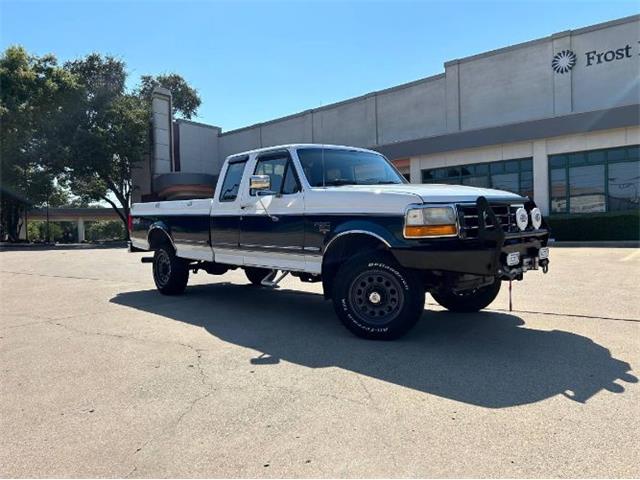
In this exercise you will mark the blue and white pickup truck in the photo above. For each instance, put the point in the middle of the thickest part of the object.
(346, 217)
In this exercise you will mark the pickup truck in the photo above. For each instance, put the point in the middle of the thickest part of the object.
(345, 217)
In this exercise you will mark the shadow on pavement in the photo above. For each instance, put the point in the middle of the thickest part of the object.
(488, 359)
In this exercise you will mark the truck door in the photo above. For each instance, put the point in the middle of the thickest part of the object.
(225, 212)
(275, 237)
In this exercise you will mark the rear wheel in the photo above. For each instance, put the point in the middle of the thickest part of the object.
(468, 300)
(170, 273)
(376, 298)
(256, 275)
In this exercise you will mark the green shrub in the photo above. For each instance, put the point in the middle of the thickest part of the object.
(105, 230)
(37, 231)
(596, 226)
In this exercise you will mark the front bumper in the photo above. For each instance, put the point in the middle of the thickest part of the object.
(485, 255)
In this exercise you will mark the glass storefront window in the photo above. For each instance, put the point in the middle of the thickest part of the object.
(505, 181)
(526, 184)
(617, 154)
(586, 189)
(605, 180)
(623, 183)
(558, 191)
(482, 182)
(511, 175)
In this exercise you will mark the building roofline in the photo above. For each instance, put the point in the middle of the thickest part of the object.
(564, 33)
(359, 98)
(439, 76)
(199, 124)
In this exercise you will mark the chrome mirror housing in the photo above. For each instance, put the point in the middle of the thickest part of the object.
(260, 182)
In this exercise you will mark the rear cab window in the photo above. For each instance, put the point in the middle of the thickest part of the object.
(232, 179)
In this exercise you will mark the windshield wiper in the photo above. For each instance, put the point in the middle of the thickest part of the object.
(373, 181)
(338, 182)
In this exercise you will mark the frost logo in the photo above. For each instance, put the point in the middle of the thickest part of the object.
(563, 61)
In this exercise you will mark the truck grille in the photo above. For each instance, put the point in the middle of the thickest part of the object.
(468, 217)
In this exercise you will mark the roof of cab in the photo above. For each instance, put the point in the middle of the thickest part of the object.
(299, 145)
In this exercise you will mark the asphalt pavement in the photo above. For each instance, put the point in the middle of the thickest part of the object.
(102, 376)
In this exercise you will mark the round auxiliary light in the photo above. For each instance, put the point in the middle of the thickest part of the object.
(522, 218)
(536, 218)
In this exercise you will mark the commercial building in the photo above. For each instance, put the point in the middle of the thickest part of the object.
(555, 118)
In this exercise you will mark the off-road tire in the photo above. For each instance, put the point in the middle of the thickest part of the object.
(468, 301)
(170, 273)
(255, 275)
(375, 298)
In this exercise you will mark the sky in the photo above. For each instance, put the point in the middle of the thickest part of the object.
(255, 61)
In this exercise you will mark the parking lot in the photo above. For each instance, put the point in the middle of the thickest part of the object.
(102, 376)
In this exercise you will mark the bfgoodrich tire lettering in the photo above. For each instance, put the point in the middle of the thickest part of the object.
(170, 273)
(376, 298)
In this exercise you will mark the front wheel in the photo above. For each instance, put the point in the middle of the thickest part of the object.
(376, 298)
(468, 300)
(170, 273)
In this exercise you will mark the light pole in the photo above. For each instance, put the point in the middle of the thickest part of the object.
(48, 195)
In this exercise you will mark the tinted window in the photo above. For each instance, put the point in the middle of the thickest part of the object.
(511, 175)
(557, 161)
(290, 184)
(624, 179)
(604, 180)
(275, 168)
(333, 167)
(558, 191)
(586, 189)
(506, 181)
(231, 182)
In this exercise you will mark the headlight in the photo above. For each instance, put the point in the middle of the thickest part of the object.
(536, 218)
(430, 222)
(522, 218)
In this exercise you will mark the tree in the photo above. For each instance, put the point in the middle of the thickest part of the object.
(109, 142)
(35, 96)
(74, 128)
(185, 99)
(112, 128)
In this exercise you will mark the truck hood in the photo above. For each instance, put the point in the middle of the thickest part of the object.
(433, 192)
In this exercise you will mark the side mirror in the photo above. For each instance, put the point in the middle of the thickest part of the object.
(260, 182)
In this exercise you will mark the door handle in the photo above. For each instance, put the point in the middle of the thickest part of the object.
(189, 203)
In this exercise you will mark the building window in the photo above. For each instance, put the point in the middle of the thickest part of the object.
(595, 181)
(511, 175)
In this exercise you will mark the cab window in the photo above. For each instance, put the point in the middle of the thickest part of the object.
(290, 183)
(231, 183)
(281, 172)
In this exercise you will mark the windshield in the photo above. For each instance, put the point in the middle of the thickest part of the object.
(334, 167)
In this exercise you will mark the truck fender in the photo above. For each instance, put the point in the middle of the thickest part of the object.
(363, 227)
(159, 232)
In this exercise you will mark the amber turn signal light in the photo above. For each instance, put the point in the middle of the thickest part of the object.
(429, 230)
